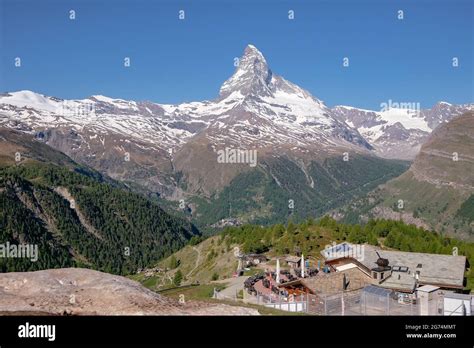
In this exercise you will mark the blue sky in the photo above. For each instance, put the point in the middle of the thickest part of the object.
(174, 61)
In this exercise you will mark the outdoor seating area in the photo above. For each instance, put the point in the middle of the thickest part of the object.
(360, 280)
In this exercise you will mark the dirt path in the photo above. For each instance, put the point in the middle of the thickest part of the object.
(439, 153)
(234, 286)
(197, 261)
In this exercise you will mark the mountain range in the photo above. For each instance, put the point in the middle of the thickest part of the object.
(311, 158)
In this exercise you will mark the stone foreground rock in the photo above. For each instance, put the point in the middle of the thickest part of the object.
(77, 291)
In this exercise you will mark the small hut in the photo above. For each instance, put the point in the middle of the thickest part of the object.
(293, 261)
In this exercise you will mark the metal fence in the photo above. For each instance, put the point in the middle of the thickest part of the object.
(366, 301)
(290, 304)
(346, 303)
(383, 302)
(358, 302)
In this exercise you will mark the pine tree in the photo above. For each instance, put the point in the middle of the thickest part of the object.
(178, 277)
(173, 262)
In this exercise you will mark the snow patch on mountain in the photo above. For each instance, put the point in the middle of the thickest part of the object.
(409, 119)
(31, 100)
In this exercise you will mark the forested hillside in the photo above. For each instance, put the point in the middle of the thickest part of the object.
(76, 220)
(466, 212)
(279, 189)
(305, 237)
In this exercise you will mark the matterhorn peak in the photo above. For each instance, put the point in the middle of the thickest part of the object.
(253, 55)
(251, 76)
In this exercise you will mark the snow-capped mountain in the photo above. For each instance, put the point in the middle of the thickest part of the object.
(255, 109)
(141, 120)
(398, 132)
(283, 113)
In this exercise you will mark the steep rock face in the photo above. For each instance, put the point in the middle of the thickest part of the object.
(76, 291)
(14, 142)
(252, 76)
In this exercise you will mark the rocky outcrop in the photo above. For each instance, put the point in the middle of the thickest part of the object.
(76, 291)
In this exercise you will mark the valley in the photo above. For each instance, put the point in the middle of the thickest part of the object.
(170, 153)
(168, 195)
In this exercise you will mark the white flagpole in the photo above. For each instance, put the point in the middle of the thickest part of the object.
(278, 271)
(302, 266)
